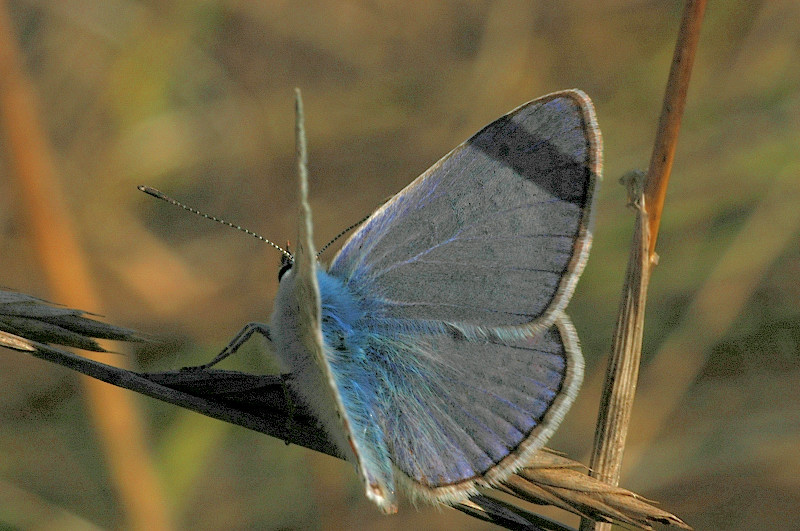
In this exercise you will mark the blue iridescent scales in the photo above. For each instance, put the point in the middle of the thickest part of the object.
(441, 334)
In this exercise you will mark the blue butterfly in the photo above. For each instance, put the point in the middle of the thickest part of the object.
(435, 349)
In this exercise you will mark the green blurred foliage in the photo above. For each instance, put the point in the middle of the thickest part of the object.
(195, 97)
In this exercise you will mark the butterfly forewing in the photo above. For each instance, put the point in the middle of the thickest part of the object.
(495, 233)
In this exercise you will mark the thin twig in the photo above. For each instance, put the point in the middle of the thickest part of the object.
(623, 370)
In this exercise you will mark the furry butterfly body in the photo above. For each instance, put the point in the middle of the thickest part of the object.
(435, 348)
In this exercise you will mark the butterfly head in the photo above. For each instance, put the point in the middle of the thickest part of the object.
(287, 261)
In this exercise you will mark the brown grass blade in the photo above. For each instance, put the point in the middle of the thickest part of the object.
(559, 481)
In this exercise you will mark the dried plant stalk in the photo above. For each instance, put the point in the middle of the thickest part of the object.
(623, 366)
(669, 123)
(262, 403)
(623, 370)
(53, 237)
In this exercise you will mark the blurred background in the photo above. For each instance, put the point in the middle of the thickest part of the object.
(195, 98)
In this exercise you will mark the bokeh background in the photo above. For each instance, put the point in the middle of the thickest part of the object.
(195, 98)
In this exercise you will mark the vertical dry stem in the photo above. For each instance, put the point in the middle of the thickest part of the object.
(53, 237)
(669, 123)
(623, 369)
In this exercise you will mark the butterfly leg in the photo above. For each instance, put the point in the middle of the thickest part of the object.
(238, 340)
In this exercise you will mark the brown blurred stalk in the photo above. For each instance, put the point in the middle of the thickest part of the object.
(623, 370)
(54, 238)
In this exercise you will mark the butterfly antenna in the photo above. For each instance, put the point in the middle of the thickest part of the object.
(159, 195)
(345, 231)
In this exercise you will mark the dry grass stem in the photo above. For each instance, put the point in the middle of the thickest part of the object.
(623, 369)
(260, 403)
(669, 123)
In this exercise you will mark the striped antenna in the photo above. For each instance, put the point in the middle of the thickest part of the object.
(345, 231)
(159, 195)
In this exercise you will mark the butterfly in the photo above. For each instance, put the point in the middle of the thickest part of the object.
(434, 349)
